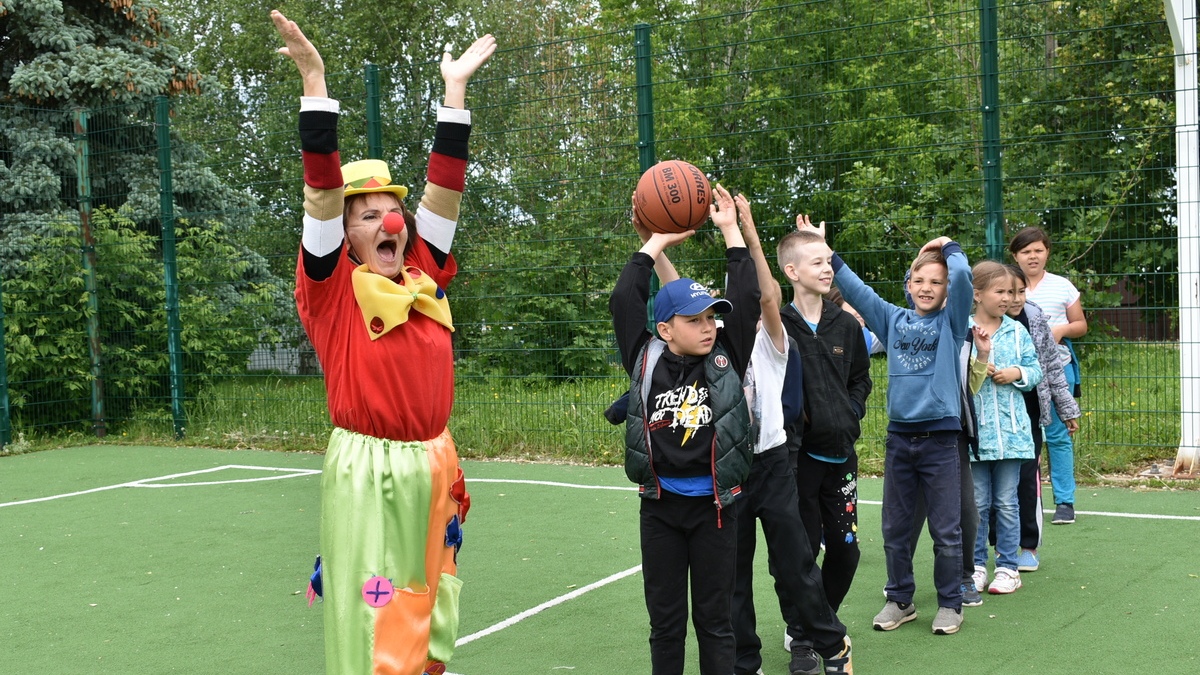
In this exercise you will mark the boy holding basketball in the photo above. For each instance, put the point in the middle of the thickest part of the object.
(688, 438)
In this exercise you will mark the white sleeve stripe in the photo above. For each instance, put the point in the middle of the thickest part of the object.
(322, 237)
(309, 103)
(435, 229)
(456, 115)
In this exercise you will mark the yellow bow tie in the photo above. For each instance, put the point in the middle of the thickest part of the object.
(385, 303)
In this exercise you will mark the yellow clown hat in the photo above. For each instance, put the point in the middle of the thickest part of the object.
(370, 175)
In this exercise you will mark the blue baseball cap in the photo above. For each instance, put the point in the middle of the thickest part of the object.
(686, 297)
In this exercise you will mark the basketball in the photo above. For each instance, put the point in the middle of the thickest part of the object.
(672, 196)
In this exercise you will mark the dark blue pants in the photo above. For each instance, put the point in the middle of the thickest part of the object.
(682, 542)
(769, 496)
(928, 463)
(968, 516)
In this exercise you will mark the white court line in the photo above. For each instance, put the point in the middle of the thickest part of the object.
(284, 473)
(547, 605)
(1116, 514)
(148, 482)
(551, 483)
(1110, 514)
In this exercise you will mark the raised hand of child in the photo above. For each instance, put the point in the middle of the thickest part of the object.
(724, 216)
(803, 222)
(936, 244)
(748, 230)
(722, 210)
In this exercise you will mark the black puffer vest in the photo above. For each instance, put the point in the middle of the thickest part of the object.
(732, 443)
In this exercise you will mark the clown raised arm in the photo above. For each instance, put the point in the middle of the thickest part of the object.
(333, 216)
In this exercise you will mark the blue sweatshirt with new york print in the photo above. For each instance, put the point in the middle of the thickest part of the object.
(924, 370)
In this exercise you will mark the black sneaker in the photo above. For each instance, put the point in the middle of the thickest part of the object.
(1064, 514)
(970, 594)
(804, 661)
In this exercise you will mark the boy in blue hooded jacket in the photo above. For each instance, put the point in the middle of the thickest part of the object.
(924, 420)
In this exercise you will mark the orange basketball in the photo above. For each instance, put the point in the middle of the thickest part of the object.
(672, 196)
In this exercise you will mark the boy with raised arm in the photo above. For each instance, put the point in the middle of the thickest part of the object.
(924, 421)
(837, 382)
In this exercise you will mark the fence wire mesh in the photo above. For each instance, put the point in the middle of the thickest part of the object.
(869, 120)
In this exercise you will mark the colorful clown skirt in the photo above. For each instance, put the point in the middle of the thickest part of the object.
(391, 516)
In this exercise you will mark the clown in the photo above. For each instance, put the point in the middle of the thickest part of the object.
(370, 283)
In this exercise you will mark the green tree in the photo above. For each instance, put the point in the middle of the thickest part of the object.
(81, 77)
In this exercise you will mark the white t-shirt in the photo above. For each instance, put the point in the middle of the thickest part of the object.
(768, 366)
(1054, 294)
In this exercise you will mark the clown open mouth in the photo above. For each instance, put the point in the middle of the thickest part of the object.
(387, 251)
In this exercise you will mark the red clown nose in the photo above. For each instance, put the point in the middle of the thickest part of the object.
(393, 222)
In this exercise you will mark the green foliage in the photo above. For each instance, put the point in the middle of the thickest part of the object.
(46, 348)
(222, 296)
(90, 53)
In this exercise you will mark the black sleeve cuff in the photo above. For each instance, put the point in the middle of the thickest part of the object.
(318, 131)
(450, 139)
(320, 268)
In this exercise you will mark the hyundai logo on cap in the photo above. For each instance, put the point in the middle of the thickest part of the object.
(686, 297)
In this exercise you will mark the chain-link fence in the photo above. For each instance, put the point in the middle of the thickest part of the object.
(127, 314)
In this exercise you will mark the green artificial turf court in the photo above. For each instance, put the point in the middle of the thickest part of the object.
(115, 563)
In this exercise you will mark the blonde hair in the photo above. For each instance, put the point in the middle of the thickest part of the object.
(987, 272)
(791, 243)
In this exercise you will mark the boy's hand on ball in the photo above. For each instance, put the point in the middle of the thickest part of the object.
(643, 232)
(669, 239)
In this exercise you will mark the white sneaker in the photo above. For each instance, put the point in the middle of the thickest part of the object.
(1006, 581)
(787, 642)
(980, 577)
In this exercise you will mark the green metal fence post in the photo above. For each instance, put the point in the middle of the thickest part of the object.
(84, 194)
(5, 412)
(645, 96)
(374, 118)
(166, 205)
(993, 181)
(645, 120)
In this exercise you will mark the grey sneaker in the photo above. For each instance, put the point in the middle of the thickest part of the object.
(893, 615)
(804, 661)
(1064, 514)
(971, 596)
(947, 621)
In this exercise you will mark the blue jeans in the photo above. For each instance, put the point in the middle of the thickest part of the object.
(1060, 453)
(996, 493)
(929, 463)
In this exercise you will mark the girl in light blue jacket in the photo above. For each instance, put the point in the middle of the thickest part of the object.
(1005, 440)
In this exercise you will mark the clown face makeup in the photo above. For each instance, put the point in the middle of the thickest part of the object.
(370, 243)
